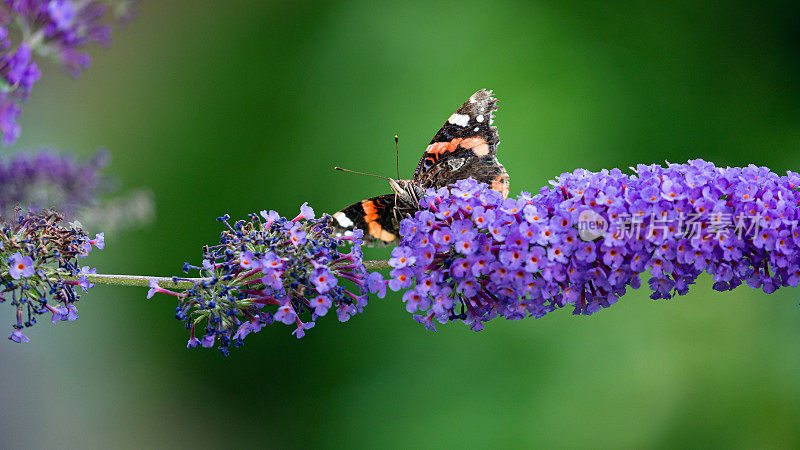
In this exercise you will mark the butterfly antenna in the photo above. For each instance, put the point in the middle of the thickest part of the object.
(397, 154)
(361, 173)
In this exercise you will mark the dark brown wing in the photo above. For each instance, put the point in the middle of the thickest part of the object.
(375, 216)
(465, 147)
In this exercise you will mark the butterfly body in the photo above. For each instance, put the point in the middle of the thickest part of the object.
(465, 147)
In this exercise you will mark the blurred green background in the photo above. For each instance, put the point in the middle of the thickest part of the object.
(245, 105)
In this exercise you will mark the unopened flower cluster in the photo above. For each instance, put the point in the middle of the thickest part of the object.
(36, 252)
(271, 269)
(60, 29)
(471, 255)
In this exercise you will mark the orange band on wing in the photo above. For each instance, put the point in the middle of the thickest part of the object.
(370, 211)
(377, 231)
(472, 142)
(369, 207)
(453, 144)
(477, 144)
(437, 148)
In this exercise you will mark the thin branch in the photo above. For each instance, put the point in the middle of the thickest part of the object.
(379, 264)
(135, 280)
(167, 283)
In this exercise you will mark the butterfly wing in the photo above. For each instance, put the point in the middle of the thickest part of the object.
(465, 147)
(376, 216)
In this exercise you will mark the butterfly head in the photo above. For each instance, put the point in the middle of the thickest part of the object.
(407, 191)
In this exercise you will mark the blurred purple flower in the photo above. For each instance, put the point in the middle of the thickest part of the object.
(59, 28)
(49, 179)
(9, 111)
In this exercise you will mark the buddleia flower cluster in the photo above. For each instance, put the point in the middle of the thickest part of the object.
(471, 255)
(270, 269)
(76, 187)
(47, 178)
(59, 29)
(37, 253)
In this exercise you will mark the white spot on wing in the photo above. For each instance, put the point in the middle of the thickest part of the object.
(343, 220)
(456, 163)
(479, 118)
(459, 119)
(476, 129)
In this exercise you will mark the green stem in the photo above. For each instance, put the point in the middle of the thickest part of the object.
(379, 264)
(134, 280)
(167, 283)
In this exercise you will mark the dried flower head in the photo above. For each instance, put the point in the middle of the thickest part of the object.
(36, 253)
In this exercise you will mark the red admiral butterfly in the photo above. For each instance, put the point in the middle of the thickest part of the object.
(464, 147)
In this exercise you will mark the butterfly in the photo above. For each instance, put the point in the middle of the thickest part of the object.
(464, 147)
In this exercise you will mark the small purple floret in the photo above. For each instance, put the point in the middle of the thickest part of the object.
(20, 266)
(18, 337)
(154, 288)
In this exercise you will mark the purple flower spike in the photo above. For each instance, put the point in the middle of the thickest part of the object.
(586, 240)
(275, 270)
